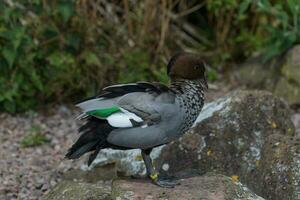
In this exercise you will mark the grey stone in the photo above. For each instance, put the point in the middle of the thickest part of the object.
(209, 187)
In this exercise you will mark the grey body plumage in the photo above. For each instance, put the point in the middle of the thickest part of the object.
(144, 115)
(177, 111)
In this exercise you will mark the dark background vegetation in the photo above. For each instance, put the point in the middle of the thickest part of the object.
(64, 50)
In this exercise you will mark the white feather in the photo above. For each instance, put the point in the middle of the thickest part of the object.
(122, 119)
(81, 116)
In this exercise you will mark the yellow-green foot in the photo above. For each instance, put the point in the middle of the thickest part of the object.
(164, 181)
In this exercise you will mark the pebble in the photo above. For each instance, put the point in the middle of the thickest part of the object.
(28, 173)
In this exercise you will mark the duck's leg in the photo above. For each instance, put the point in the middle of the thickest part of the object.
(154, 175)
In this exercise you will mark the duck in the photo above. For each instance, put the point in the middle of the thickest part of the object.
(143, 115)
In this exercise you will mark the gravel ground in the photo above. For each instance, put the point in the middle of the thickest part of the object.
(30, 172)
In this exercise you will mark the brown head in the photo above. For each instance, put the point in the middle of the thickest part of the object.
(187, 66)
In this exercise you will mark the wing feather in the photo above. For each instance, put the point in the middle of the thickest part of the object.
(126, 105)
(97, 103)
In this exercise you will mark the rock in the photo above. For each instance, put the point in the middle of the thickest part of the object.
(232, 137)
(256, 74)
(296, 121)
(230, 133)
(208, 187)
(280, 156)
(127, 162)
(280, 75)
(106, 172)
(289, 90)
(70, 190)
(289, 84)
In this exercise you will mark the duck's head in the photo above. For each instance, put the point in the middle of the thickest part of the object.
(187, 66)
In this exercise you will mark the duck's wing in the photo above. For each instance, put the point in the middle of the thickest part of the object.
(160, 118)
(142, 86)
(129, 108)
(127, 105)
(110, 94)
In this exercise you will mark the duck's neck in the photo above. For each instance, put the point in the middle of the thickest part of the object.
(190, 96)
(184, 87)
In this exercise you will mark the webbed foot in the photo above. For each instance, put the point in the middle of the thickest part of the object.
(164, 181)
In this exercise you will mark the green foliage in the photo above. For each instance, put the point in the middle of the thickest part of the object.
(212, 74)
(136, 67)
(34, 137)
(46, 54)
(239, 28)
(65, 50)
(62, 50)
(235, 29)
(284, 31)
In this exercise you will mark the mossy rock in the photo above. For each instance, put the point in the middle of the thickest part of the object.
(70, 190)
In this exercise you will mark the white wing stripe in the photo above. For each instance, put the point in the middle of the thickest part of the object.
(122, 119)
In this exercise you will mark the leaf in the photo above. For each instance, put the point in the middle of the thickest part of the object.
(10, 106)
(18, 36)
(36, 80)
(91, 58)
(5, 34)
(264, 5)
(292, 5)
(14, 36)
(284, 19)
(73, 40)
(66, 9)
(212, 74)
(244, 6)
(55, 59)
(10, 55)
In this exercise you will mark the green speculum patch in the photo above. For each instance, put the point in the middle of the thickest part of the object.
(104, 112)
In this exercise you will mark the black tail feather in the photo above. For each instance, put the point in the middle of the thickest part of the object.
(76, 153)
(93, 155)
(93, 138)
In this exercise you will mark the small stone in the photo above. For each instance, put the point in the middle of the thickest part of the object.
(165, 166)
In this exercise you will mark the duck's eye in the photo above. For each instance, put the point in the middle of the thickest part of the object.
(197, 67)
